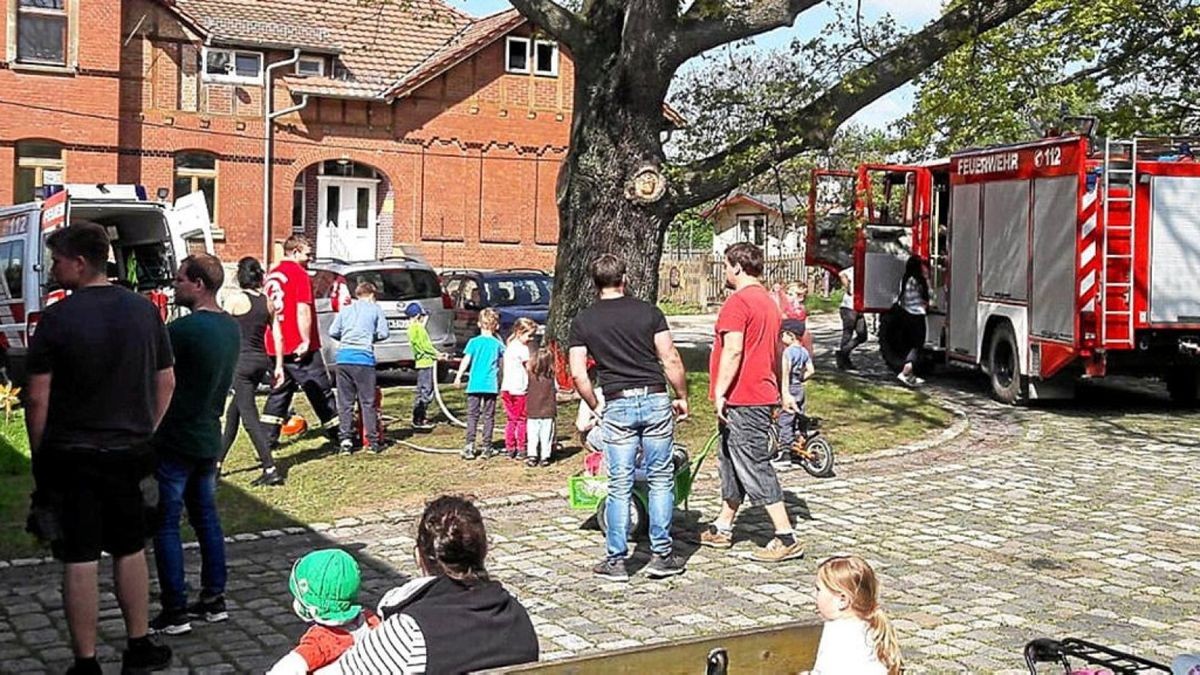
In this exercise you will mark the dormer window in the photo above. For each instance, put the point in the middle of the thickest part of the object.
(521, 54)
(228, 65)
(516, 56)
(545, 58)
(313, 66)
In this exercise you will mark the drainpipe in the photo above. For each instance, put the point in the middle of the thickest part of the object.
(269, 123)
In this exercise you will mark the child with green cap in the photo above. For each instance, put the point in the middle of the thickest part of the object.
(325, 584)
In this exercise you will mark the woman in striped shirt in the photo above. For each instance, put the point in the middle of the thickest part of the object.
(454, 619)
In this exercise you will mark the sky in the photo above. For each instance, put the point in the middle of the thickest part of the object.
(910, 14)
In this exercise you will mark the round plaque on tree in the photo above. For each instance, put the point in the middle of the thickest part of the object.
(647, 185)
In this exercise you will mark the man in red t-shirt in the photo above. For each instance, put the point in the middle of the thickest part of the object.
(293, 341)
(744, 387)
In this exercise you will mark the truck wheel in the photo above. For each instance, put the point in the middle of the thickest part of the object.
(1182, 386)
(1007, 384)
(892, 340)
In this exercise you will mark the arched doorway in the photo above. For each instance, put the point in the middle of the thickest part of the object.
(347, 209)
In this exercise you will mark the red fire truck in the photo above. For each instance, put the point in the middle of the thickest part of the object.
(1048, 261)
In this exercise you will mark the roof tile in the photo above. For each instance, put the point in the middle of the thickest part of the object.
(379, 44)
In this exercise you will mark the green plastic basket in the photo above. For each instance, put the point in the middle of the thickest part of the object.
(585, 492)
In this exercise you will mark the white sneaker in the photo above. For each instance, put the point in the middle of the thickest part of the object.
(906, 380)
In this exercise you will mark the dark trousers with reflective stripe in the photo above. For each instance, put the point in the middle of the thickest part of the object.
(306, 373)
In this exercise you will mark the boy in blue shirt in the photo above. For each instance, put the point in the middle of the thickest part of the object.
(482, 356)
(357, 328)
(797, 367)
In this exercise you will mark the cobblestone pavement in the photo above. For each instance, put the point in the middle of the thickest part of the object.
(1078, 519)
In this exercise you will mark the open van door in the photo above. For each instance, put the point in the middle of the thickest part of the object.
(189, 219)
(893, 206)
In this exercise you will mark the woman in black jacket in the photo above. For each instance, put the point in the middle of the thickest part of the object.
(453, 620)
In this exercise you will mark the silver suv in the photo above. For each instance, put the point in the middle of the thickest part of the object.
(400, 280)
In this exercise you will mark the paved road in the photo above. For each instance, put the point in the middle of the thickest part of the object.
(1078, 519)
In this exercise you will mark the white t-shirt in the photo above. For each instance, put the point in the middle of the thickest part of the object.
(848, 298)
(516, 378)
(846, 649)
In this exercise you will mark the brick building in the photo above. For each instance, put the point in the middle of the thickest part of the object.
(420, 127)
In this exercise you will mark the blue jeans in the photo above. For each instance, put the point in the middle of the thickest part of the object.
(423, 396)
(787, 435)
(645, 422)
(193, 483)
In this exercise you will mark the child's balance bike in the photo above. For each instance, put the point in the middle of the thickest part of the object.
(589, 490)
(810, 450)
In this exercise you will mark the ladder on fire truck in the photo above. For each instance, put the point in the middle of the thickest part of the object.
(1118, 242)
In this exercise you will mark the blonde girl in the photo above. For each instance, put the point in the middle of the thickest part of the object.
(481, 360)
(515, 384)
(858, 638)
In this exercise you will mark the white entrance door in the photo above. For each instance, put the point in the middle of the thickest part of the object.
(347, 218)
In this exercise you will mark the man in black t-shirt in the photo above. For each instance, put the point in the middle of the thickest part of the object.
(632, 347)
(100, 379)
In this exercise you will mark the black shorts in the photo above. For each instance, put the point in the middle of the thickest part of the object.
(100, 502)
(745, 457)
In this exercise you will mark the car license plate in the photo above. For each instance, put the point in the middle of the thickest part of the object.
(397, 324)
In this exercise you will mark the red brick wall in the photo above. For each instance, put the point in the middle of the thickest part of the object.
(470, 159)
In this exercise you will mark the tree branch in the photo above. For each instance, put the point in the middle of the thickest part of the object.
(564, 25)
(1124, 56)
(709, 24)
(813, 125)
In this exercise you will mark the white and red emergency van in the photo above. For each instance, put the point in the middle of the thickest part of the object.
(1048, 261)
(145, 236)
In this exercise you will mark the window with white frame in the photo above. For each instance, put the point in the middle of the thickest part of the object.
(545, 58)
(752, 228)
(298, 195)
(516, 55)
(522, 54)
(42, 32)
(310, 65)
(229, 65)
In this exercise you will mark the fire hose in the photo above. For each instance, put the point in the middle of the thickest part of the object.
(437, 396)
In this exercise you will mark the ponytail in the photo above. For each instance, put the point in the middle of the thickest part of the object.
(887, 646)
(522, 326)
(853, 577)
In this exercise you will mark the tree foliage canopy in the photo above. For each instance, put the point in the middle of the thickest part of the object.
(1130, 62)
(802, 96)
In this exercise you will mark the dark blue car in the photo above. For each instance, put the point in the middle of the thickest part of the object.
(513, 293)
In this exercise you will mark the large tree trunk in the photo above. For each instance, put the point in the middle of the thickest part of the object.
(615, 133)
(625, 55)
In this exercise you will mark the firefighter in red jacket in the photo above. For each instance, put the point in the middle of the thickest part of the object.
(293, 341)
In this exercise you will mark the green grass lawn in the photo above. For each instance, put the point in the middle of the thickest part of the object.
(815, 304)
(670, 308)
(858, 417)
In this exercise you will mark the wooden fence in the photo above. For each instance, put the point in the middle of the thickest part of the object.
(698, 278)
